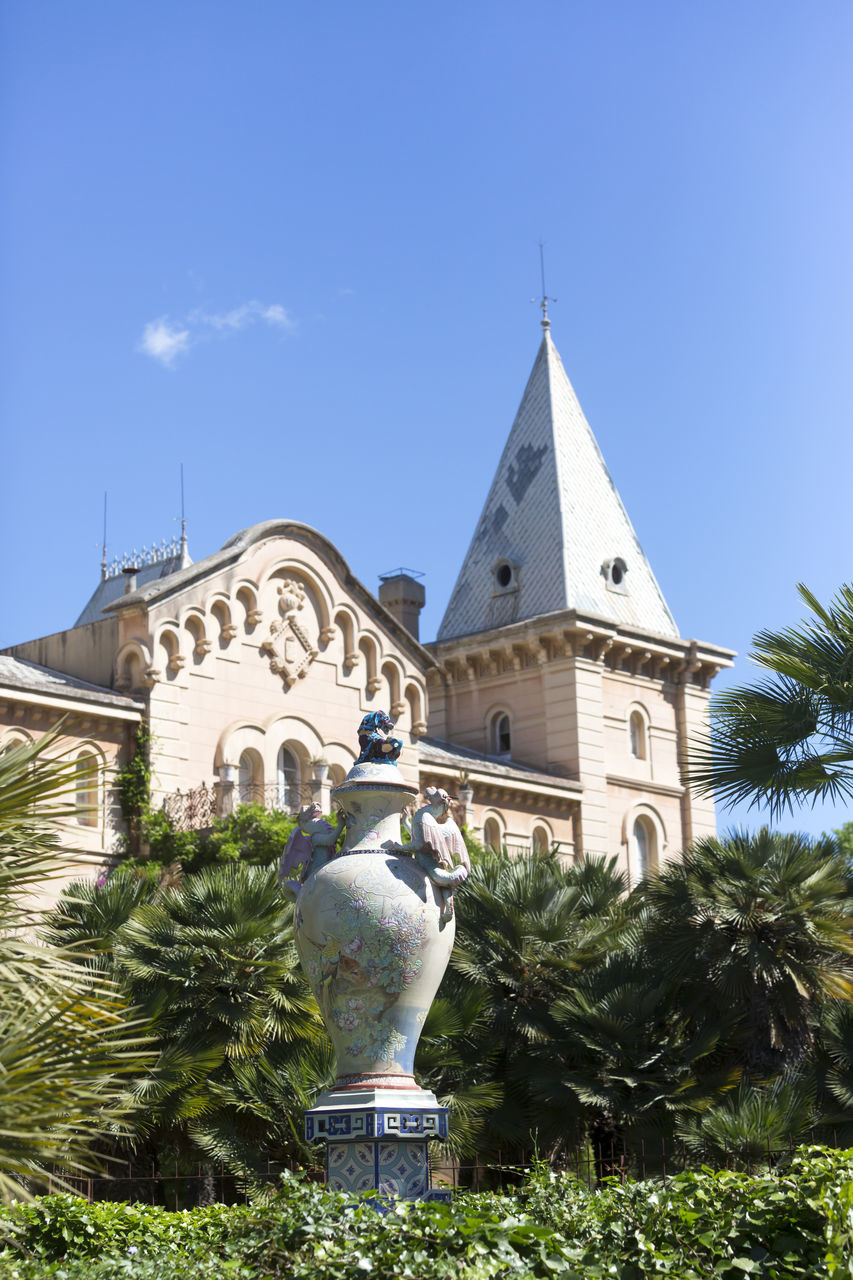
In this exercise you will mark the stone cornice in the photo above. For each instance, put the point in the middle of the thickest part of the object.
(17, 700)
(555, 637)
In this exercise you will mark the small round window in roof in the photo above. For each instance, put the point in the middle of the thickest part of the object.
(506, 593)
(505, 576)
(613, 572)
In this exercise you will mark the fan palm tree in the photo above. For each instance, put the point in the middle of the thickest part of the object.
(68, 1042)
(527, 928)
(455, 1061)
(755, 931)
(750, 1126)
(252, 1112)
(212, 964)
(89, 915)
(835, 1069)
(787, 739)
(621, 1058)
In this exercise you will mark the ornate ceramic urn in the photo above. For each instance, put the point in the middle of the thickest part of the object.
(374, 929)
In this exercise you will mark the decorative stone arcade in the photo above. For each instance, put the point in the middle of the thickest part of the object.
(375, 929)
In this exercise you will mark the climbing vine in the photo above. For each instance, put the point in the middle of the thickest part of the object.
(133, 783)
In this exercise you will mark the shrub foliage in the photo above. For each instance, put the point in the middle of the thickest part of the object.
(795, 1222)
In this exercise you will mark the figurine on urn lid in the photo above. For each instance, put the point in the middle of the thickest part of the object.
(373, 740)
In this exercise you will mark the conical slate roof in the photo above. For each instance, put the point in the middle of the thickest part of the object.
(553, 526)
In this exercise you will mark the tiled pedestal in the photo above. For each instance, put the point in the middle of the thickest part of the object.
(377, 1139)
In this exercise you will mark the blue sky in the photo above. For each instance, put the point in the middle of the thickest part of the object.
(293, 247)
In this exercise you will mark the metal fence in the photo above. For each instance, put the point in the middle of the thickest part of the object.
(591, 1163)
(288, 799)
(178, 1187)
(192, 810)
(198, 807)
(181, 1187)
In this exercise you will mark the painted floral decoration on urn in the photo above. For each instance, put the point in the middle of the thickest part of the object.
(374, 920)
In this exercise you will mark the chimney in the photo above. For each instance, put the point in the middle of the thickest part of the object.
(403, 596)
(130, 579)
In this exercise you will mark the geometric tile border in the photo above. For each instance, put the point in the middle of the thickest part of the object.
(343, 1124)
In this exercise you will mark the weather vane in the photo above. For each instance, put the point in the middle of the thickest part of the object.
(544, 300)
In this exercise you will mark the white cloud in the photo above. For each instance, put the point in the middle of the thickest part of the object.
(166, 340)
(276, 314)
(244, 315)
(237, 318)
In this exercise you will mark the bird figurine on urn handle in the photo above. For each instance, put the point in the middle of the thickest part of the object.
(439, 847)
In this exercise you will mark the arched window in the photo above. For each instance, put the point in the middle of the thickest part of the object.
(336, 774)
(644, 850)
(249, 779)
(638, 735)
(86, 790)
(501, 735)
(492, 835)
(541, 842)
(287, 780)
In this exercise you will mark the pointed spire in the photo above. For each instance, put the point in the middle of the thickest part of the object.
(184, 555)
(553, 534)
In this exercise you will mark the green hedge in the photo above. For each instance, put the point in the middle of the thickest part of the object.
(795, 1222)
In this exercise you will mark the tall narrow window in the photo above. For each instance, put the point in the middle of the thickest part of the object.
(641, 839)
(86, 790)
(541, 842)
(644, 851)
(248, 780)
(287, 780)
(502, 738)
(492, 835)
(637, 733)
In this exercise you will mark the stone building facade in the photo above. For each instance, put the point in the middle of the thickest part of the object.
(557, 701)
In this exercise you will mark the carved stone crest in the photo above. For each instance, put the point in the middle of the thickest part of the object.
(288, 645)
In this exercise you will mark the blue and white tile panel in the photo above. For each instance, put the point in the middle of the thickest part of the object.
(393, 1168)
(347, 1126)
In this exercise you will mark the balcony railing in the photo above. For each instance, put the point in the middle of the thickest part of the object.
(196, 808)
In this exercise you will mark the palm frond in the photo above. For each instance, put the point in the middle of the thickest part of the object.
(69, 1044)
(788, 739)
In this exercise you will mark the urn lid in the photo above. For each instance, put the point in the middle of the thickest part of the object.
(373, 771)
(372, 775)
